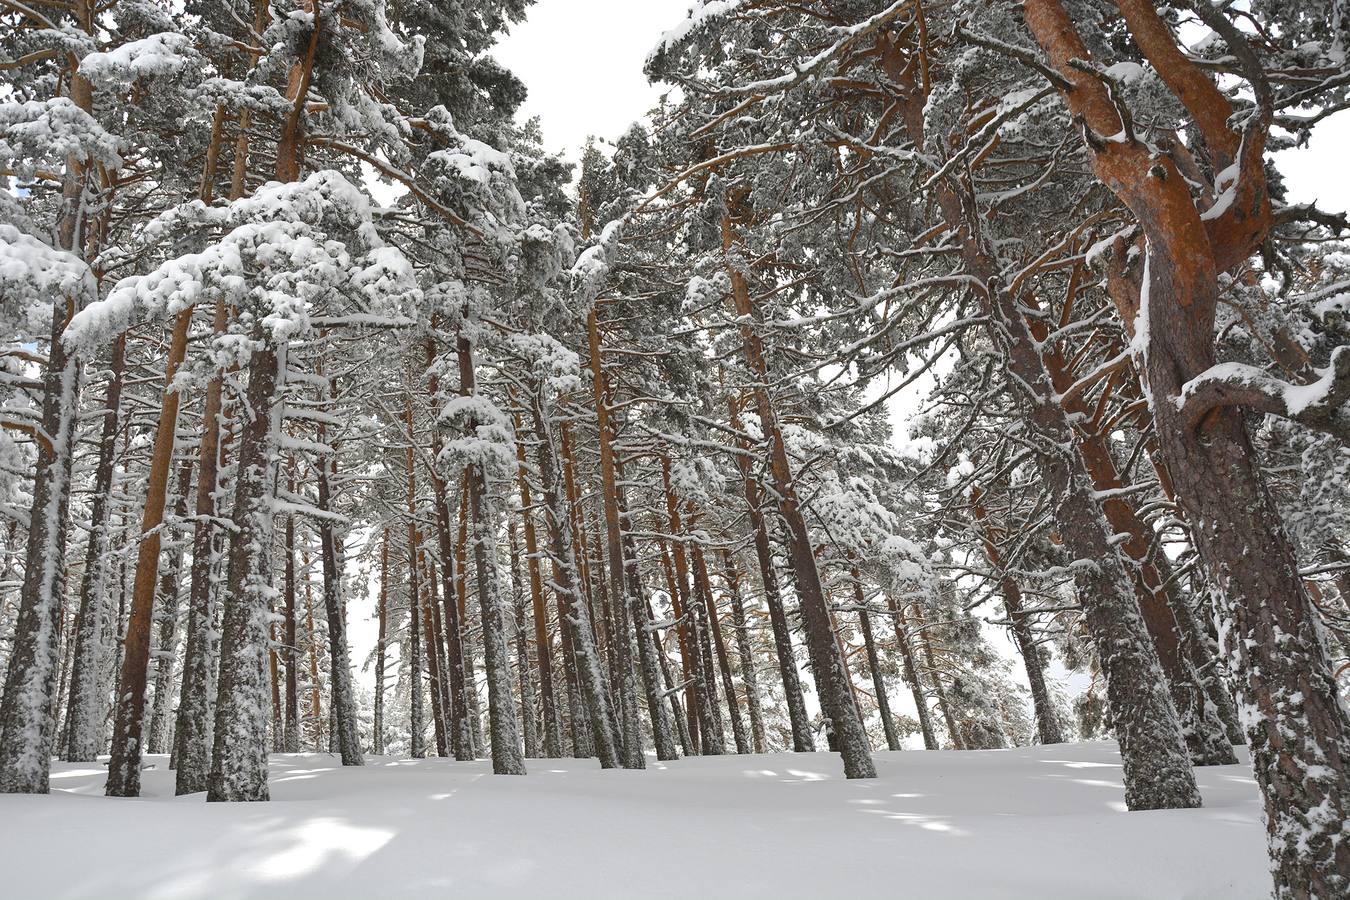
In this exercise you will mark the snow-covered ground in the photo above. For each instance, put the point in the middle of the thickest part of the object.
(1036, 823)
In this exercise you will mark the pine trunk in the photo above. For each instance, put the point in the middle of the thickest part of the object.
(88, 694)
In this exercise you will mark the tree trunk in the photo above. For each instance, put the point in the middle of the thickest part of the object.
(124, 768)
(84, 711)
(1297, 724)
(506, 751)
(289, 651)
(874, 664)
(167, 654)
(832, 683)
(662, 735)
(27, 709)
(912, 674)
(747, 659)
(723, 659)
(239, 761)
(382, 612)
(575, 616)
(1047, 723)
(543, 651)
(524, 671)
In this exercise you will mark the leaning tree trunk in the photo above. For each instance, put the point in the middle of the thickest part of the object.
(802, 741)
(874, 664)
(836, 699)
(911, 671)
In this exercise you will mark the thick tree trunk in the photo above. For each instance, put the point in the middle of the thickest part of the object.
(239, 761)
(28, 704)
(1297, 725)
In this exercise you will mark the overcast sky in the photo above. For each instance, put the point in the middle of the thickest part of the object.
(582, 62)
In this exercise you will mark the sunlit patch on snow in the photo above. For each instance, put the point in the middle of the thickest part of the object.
(317, 842)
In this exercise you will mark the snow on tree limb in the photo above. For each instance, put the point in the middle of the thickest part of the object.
(1317, 405)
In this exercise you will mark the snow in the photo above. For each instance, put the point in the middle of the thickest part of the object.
(1027, 823)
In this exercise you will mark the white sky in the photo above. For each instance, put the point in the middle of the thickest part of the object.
(582, 62)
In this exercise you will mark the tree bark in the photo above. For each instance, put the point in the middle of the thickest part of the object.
(502, 725)
(84, 711)
(1297, 725)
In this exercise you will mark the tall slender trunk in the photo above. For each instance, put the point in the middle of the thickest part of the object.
(28, 703)
(704, 729)
(832, 682)
(417, 747)
(342, 701)
(289, 650)
(382, 613)
(543, 653)
(524, 671)
(84, 711)
(502, 724)
(723, 659)
(574, 612)
(688, 722)
(1019, 623)
(460, 730)
(624, 604)
(662, 735)
(749, 675)
(874, 663)
(911, 670)
(315, 687)
(802, 741)
(167, 653)
(124, 768)
(583, 744)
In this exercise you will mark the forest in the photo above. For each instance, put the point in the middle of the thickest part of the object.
(937, 409)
